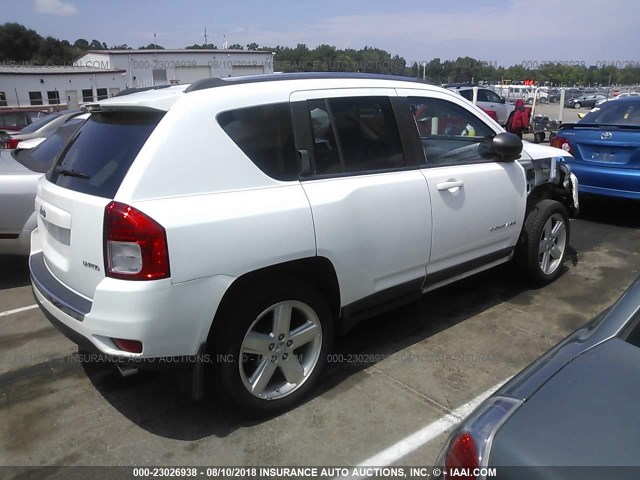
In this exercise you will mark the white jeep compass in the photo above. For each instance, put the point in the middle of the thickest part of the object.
(238, 223)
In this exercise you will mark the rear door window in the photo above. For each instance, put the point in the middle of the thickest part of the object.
(354, 135)
(99, 155)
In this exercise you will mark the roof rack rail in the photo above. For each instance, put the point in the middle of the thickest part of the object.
(272, 77)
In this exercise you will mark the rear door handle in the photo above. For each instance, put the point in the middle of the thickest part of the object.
(450, 184)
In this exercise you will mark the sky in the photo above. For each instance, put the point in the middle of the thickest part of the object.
(502, 32)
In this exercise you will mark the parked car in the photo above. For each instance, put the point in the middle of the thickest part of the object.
(16, 120)
(605, 149)
(569, 93)
(488, 100)
(301, 204)
(574, 406)
(584, 101)
(618, 96)
(41, 128)
(20, 171)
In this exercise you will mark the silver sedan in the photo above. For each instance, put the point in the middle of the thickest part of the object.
(20, 171)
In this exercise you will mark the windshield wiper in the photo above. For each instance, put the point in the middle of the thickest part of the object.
(71, 173)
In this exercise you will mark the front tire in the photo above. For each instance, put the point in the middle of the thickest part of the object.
(577, 106)
(543, 246)
(271, 347)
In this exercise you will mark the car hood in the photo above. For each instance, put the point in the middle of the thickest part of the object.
(586, 414)
(537, 152)
(10, 166)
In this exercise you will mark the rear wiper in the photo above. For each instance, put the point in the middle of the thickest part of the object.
(71, 173)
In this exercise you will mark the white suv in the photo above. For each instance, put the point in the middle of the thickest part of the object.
(487, 99)
(237, 224)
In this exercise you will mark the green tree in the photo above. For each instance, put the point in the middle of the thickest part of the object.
(17, 43)
(152, 46)
(204, 46)
(53, 52)
(96, 45)
(81, 44)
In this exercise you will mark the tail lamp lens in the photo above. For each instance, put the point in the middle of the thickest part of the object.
(135, 245)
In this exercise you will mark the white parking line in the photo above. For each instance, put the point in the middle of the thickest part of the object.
(414, 441)
(18, 310)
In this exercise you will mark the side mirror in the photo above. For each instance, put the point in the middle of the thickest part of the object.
(502, 100)
(507, 146)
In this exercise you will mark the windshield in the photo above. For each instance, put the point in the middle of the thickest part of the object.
(39, 158)
(614, 113)
(40, 122)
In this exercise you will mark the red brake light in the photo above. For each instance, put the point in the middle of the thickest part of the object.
(462, 456)
(131, 346)
(11, 143)
(135, 245)
(561, 142)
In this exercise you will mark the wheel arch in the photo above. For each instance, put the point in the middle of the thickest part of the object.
(316, 271)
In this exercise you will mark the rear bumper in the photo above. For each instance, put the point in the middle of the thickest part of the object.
(608, 181)
(171, 320)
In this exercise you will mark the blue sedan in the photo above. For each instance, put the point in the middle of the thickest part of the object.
(605, 146)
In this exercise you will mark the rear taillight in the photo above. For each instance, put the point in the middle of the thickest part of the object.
(11, 143)
(561, 142)
(462, 457)
(466, 453)
(135, 245)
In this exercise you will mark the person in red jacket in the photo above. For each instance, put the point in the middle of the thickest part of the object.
(519, 121)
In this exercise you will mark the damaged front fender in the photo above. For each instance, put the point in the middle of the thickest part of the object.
(552, 178)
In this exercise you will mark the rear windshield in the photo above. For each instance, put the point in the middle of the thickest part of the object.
(99, 155)
(614, 112)
(39, 159)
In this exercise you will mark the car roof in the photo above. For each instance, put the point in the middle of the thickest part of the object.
(220, 82)
(164, 98)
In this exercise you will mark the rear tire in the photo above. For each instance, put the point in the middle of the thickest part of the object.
(538, 137)
(543, 245)
(271, 347)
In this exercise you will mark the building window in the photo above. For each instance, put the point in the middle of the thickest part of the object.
(87, 95)
(53, 97)
(159, 77)
(3, 99)
(102, 94)
(35, 98)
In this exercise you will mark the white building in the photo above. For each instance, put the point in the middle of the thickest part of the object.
(28, 85)
(147, 68)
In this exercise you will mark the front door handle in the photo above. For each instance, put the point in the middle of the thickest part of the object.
(450, 184)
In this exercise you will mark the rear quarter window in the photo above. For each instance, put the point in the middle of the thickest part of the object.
(265, 135)
(99, 155)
